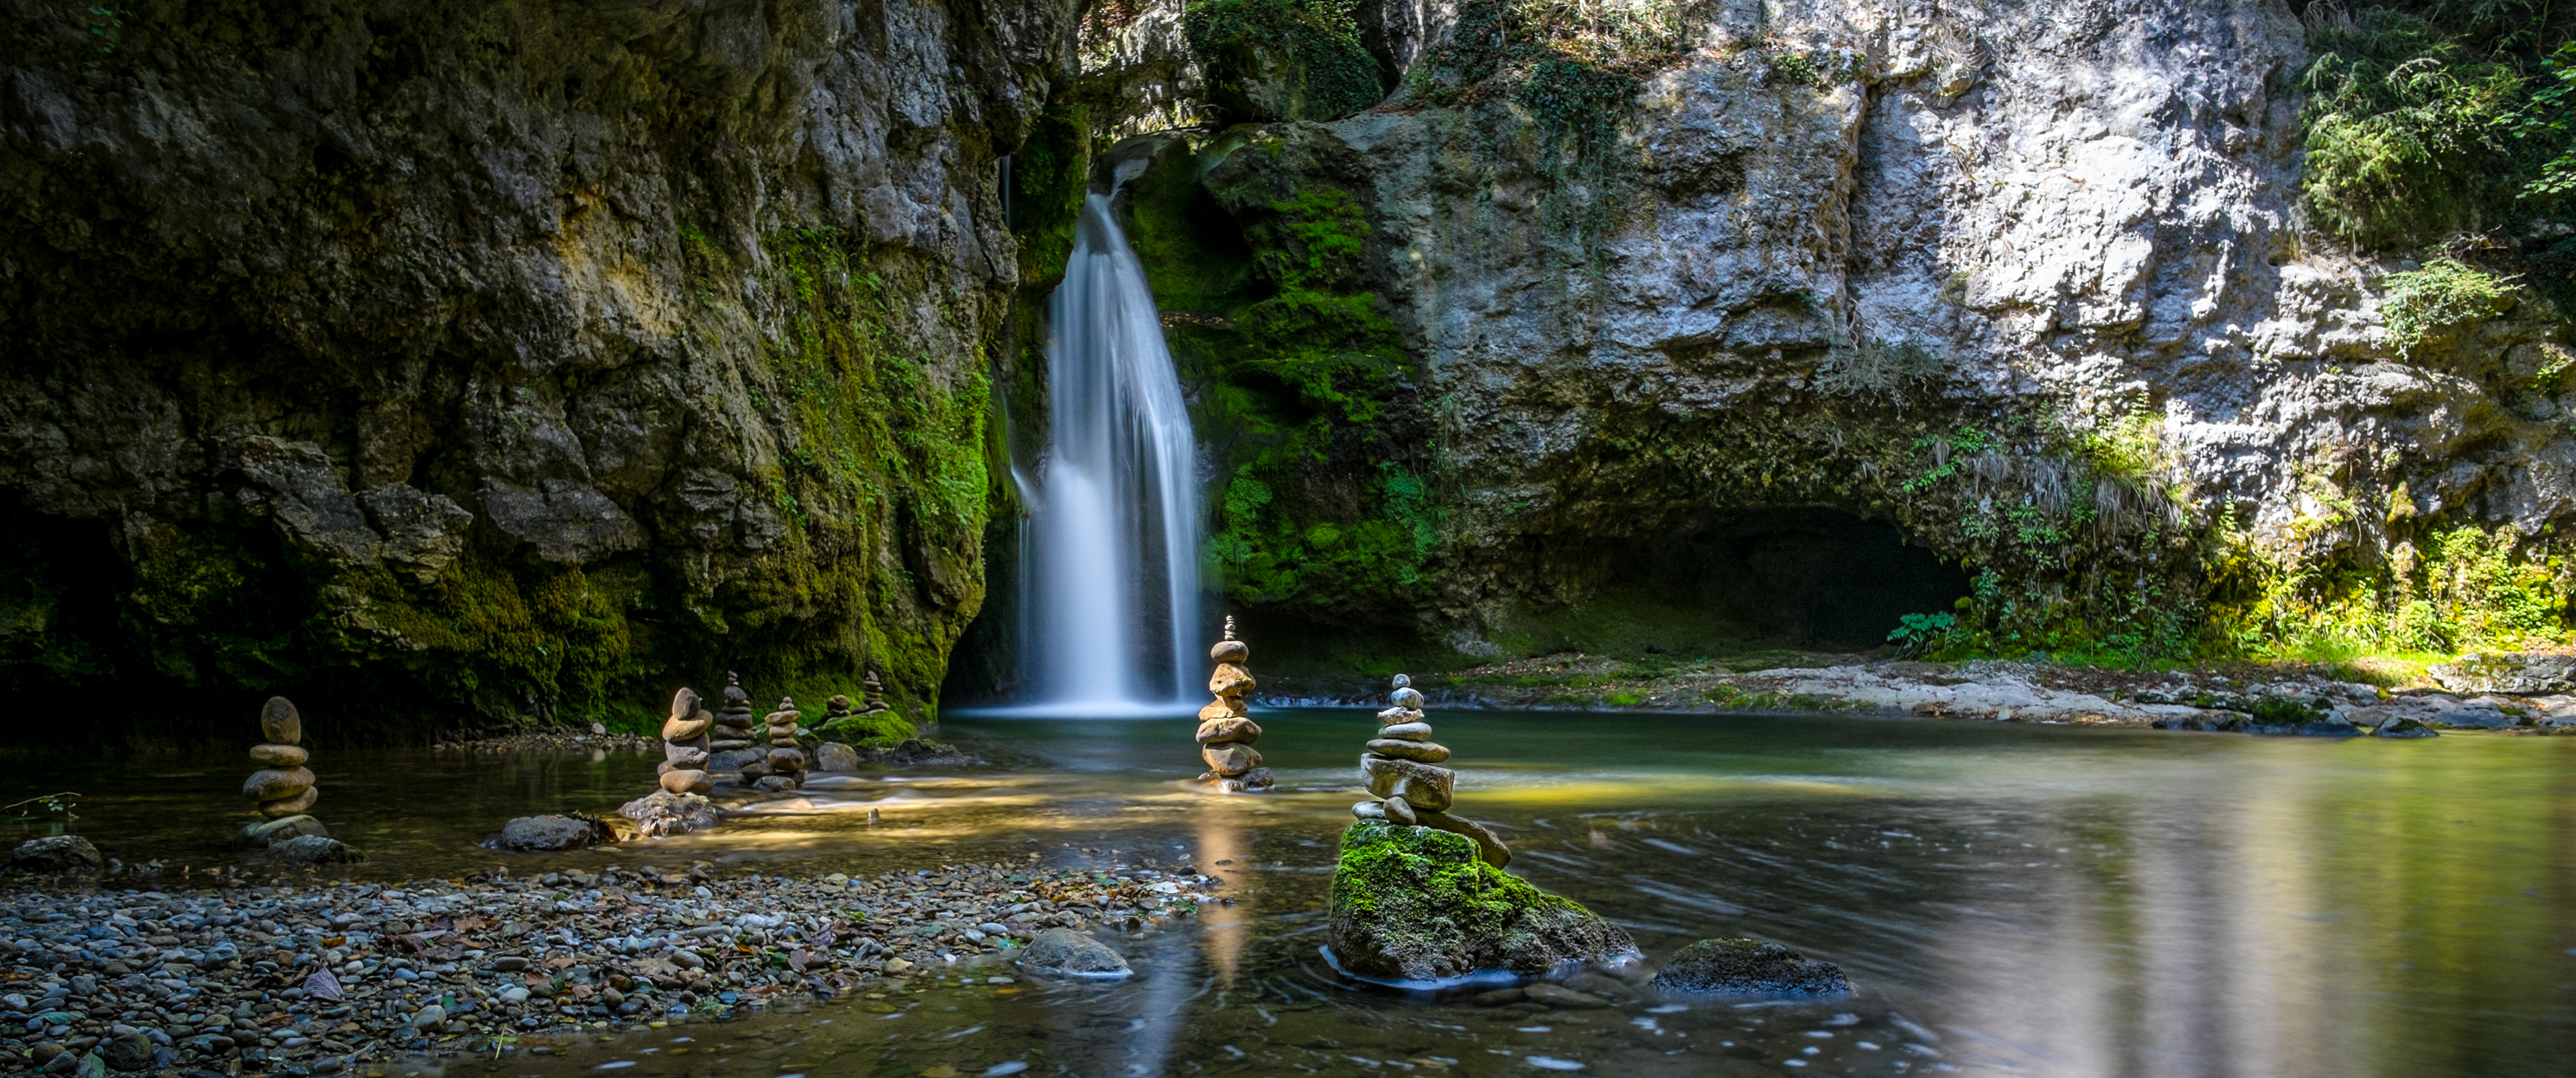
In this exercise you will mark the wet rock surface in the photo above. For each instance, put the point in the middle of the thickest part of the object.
(1065, 952)
(1748, 967)
(550, 833)
(1419, 904)
(57, 854)
(312, 978)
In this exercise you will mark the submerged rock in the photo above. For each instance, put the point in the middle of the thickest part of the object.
(834, 756)
(268, 833)
(313, 850)
(1066, 952)
(2404, 728)
(57, 853)
(550, 833)
(663, 813)
(1417, 904)
(1749, 967)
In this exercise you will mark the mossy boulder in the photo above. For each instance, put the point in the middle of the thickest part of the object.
(1415, 904)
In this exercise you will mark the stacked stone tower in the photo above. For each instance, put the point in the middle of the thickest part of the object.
(1401, 766)
(1226, 733)
(282, 786)
(786, 758)
(734, 753)
(685, 750)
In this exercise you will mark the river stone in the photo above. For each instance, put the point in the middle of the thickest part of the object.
(774, 783)
(1408, 699)
(1423, 751)
(686, 781)
(1749, 967)
(270, 832)
(279, 723)
(1229, 680)
(1230, 651)
(1406, 731)
(2404, 728)
(290, 806)
(1215, 710)
(278, 755)
(313, 850)
(662, 813)
(57, 853)
(2516, 673)
(834, 756)
(273, 783)
(2472, 716)
(685, 729)
(1394, 715)
(129, 1052)
(1065, 952)
(550, 833)
(1421, 785)
(1563, 998)
(736, 758)
(678, 755)
(1240, 731)
(1413, 903)
(786, 759)
(1231, 758)
(90, 1066)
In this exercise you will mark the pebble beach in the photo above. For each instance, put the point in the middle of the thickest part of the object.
(322, 978)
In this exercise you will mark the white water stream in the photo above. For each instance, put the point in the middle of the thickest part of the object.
(1114, 522)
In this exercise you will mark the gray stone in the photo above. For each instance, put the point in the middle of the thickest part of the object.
(280, 723)
(1748, 967)
(735, 760)
(1423, 785)
(58, 853)
(550, 833)
(662, 813)
(1563, 998)
(2404, 728)
(1420, 751)
(1065, 952)
(267, 832)
(835, 756)
(276, 783)
(2472, 717)
(313, 850)
(2518, 673)
(1405, 731)
(127, 1052)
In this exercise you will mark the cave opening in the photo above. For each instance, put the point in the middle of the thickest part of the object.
(1805, 577)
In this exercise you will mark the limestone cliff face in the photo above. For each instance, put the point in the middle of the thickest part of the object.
(511, 357)
(2025, 279)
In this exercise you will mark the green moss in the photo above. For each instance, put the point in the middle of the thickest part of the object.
(1282, 59)
(2443, 295)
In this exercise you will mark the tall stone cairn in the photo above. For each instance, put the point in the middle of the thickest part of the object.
(1401, 767)
(1225, 734)
(875, 695)
(786, 758)
(734, 752)
(282, 786)
(684, 745)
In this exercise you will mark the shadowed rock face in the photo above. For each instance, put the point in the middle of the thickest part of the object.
(503, 348)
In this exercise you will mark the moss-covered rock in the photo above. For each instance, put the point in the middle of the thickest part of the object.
(1412, 903)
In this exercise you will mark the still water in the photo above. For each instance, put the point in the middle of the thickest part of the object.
(2007, 899)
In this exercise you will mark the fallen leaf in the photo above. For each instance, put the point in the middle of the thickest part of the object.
(322, 985)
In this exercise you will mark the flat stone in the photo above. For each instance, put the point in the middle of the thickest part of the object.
(1065, 952)
(1563, 998)
(1423, 751)
(1232, 758)
(1218, 710)
(775, 783)
(1230, 651)
(1406, 731)
(2472, 716)
(290, 806)
(280, 723)
(687, 782)
(278, 755)
(272, 783)
(1749, 967)
(684, 729)
(57, 853)
(549, 833)
(1423, 785)
(2404, 728)
(270, 832)
(1394, 715)
(835, 756)
(734, 759)
(1243, 731)
(786, 759)
(684, 756)
(313, 850)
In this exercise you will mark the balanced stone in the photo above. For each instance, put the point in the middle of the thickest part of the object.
(280, 723)
(1399, 769)
(1423, 751)
(684, 733)
(1420, 785)
(1225, 734)
(290, 806)
(686, 782)
(277, 783)
(875, 695)
(735, 756)
(282, 786)
(786, 760)
(277, 755)
(1406, 731)
(838, 707)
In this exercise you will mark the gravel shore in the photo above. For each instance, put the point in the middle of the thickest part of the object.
(312, 979)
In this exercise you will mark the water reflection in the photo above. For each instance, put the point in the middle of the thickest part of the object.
(2009, 900)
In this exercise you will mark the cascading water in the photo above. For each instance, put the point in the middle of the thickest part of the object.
(1115, 526)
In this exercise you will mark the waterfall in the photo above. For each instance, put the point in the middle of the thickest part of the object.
(1114, 527)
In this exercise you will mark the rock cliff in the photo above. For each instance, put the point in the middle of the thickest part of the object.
(459, 363)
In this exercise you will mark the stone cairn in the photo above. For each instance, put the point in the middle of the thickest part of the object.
(282, 785)
(1225, 734)
(734, 754)
(875, 695)
(786, 759)
(684, 745)
(1401, 767)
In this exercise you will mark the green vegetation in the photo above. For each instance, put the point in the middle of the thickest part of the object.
(2442, 295)
(1282, 59)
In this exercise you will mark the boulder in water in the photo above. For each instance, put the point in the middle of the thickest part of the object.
(270, 832)
(1749, 967)
(834, 756)
(58, 853)
(1418, 904)
(665, 813)
(313, 850)
(1065, 952)
(550, 833)
(2404, 728)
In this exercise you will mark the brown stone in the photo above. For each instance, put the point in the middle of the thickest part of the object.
(271, 783)
(1229, 729)
(784, 760)
(687, 782)
(685, 704)
(1423, 785)
(1394, 715)
(1230, 681)
(1424, 751)
(288, 806)
(1222, 709)
(279, 722)
(1406, 731)
(1230, 651)
(278, 755)
(684, 729)
(1230, 759)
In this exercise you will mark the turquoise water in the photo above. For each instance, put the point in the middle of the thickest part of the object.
(2007, 899)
